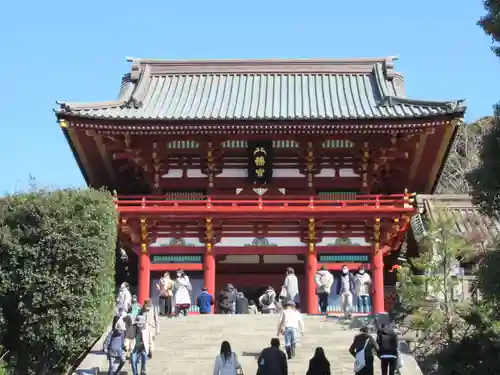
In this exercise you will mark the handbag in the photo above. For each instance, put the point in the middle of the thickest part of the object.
(360, 360)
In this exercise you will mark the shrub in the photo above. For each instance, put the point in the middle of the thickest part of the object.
(57, 263)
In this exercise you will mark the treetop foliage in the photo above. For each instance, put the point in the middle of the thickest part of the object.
(485, 179)
(490, 23)
(57, 269)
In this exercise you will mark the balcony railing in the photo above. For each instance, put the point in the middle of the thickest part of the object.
(363, 203)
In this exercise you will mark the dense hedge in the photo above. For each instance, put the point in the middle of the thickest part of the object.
(57, 263)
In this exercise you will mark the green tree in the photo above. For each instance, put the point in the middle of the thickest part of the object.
(490, 22)
(485, 179)
(57, 269)
(428, 288)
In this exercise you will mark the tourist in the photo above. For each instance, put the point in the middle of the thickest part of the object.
(136, 307)
(363, 282)
(318, 364)
(346, 288)
(143, 345)
(183, 291)
(166, 288)
(150, 313)
(205, 301)
(252, 308)
(324, 281)
(292, 287)
(272, 361)
(124, 298)
(226, 363)
(113, 348)
(241, 304)
(267, 301)
(227, 299)
(387, 341)
(121, 321)
(364, 343)
(290, 325)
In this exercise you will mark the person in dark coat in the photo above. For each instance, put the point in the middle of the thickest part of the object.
(272, 360)
(318, 364)
(241, 304)
(205, 301)
(113, 347)
(366, 341)
(387, 341)
(227, 298)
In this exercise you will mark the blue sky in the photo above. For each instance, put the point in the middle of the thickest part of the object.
(75, 51)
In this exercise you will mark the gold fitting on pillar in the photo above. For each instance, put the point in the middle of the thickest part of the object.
(208, 233)
(144, 236)
(311, 247)
(376, 235)
(209, 248)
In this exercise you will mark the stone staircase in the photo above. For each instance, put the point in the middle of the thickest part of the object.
(189, 345)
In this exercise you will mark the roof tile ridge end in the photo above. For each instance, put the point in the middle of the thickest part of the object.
(381, 82)
(141, 77)
(452, 105)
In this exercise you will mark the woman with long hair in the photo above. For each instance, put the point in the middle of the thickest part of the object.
(226, 363)
(318, 364)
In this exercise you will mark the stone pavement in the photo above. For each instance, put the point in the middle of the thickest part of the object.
(189, 345)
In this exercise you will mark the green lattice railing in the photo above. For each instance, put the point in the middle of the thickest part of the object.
(178, 144)
(347, 258)
(280, 143)
(160, 259)
(337, 143)
(337, 195)
(183, 195)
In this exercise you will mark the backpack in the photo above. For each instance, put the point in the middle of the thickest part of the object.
(266, 301)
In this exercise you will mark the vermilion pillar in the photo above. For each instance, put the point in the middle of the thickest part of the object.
(144, 277)
(144, 274)
(378, 305)
(311, 306)
(209, 271)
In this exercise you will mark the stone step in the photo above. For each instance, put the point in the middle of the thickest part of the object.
(189, 345)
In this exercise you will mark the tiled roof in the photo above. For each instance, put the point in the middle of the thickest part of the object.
(262, 90)
(469, 220)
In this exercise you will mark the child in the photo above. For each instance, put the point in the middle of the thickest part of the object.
(252, 308)
(143, 345)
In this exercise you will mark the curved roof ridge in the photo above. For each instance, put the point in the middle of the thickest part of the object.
(449, 104)
(132, 96)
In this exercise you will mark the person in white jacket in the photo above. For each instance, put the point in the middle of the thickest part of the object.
(124, 299)
(324, 281)
(363, 282)
(267, 301)
(291, 286)
(290, 325)
(182, 295)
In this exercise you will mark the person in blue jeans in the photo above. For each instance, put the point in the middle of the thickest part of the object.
(290, 325)
(143, 345)
(113, 348)
(363, 283)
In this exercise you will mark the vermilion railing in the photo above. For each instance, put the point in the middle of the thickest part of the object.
(373, 203)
